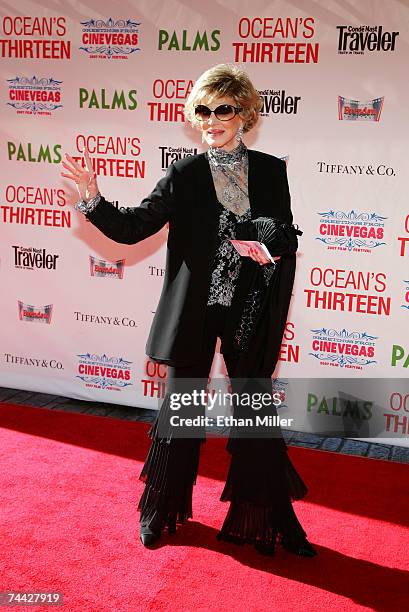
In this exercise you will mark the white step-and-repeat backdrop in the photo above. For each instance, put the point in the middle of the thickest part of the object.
(76, 307)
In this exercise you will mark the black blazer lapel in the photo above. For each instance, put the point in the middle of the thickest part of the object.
(264, 186)
(268, 187)
(255, 181)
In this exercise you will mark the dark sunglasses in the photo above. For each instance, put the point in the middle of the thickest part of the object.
(224, 112)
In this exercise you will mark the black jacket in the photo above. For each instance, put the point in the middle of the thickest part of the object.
(186, 198)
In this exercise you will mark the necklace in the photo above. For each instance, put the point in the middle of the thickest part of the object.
(220, 157)
(233, 165)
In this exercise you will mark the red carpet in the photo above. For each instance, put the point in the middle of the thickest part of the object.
(69, 523)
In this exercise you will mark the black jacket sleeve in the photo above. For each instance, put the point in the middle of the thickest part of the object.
(277, 233)
(129, 225)
(281, 237)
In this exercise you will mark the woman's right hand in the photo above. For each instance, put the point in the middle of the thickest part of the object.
(84, 178)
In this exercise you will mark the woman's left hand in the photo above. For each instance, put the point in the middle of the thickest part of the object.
(261, 259)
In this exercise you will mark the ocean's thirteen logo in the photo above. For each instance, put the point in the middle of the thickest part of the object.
(343, 348)
(354, 110)
(169, 155)
(34, 37)
(290, 348)
(406, 295)
(356, 169)
(278, 102)
(354, 231)
(169, 99)
(120, 156)
(35, 362)
(20, 200)
(356, 40)
(276, 40)
(39, 314)
(106, 269)
(111, 38)
(103, 372)
(343, 290)
(34, 96)
(28, 258)
(188, 41)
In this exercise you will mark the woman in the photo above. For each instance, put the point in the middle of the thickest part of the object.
(210, 291)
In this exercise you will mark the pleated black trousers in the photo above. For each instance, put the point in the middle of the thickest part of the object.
(261, 482)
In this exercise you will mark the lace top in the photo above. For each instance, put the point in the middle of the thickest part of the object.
(227, 261)
(230, 176)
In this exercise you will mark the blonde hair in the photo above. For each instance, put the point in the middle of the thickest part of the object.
(226, 80)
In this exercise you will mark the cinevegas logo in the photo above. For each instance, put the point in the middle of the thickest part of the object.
(33, 96)
(105, 269)
(103, 372)
(358, 39)
(278, 102)
(353, 231)
(171, 154)
(110, 39)
(39, 314)
(343, 349)
(354, 110)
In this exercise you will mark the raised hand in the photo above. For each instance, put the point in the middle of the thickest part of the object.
(84, 178)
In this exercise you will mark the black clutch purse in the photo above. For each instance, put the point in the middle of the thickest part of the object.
(280, 238)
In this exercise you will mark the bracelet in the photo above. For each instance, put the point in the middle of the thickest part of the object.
(87, 207)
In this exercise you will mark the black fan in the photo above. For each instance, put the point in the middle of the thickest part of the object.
(280, 238)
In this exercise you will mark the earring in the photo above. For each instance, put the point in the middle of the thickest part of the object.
(203, 138)
(239, 133)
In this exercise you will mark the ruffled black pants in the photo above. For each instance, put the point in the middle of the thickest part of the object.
(261, 482)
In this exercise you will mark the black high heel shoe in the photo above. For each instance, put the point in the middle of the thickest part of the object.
(148, 536)
(303, 548)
